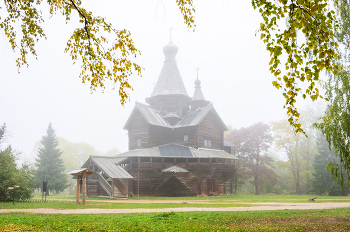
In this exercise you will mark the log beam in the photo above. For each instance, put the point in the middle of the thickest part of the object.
(78, 190)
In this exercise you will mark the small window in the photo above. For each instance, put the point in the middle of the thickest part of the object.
(207, 143)
(139, 142)
(186, 138)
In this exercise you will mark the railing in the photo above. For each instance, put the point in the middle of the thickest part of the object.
(105, 185)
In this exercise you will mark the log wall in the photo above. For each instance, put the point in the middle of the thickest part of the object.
(204, 177)
(210, 129)
(138, 128)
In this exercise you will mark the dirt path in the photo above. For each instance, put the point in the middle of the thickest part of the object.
(150, 201)
(264, 206)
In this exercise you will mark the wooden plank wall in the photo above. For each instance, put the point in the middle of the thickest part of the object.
(160, 136)
(170, 103)
(210, 129)
(138, 129)
(151, 178)
(92, 185)
(179, 134)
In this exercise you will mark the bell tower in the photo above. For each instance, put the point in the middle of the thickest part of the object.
(169, 95)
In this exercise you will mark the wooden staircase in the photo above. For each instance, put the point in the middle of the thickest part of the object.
(105, 185)
(122, 188)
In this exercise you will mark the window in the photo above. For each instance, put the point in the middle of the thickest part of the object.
(207, 143)
(139, 142)
(186, 138)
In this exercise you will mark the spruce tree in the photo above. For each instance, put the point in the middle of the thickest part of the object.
(49, 163)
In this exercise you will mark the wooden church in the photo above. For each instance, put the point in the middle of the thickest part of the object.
(176, 145)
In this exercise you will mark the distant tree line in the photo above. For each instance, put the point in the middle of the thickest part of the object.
(275, 159)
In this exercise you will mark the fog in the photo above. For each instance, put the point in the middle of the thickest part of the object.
(232, 62)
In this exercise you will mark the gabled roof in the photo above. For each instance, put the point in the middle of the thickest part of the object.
(174, 169)
(196, 117)
(110, 166)
(80, 171)
(152, 116)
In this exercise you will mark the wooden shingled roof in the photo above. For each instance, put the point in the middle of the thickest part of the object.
(154, 117)
(110, 166)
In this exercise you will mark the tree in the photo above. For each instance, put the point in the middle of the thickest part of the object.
(253, 144)
(322, 182)
(335, 124)
(307, 41)
(49, 163)
(287, 141)
(101, 60)
(11, 175)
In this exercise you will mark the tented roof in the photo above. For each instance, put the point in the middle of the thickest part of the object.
(169, 81)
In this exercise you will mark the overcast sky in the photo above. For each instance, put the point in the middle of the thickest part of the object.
(233, 67)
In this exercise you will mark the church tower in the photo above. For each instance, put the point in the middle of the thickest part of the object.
(169, 95)
(198, 99)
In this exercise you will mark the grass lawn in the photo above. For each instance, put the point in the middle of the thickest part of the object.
(283, 220)
(67, 202)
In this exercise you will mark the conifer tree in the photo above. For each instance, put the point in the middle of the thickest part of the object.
(49, 163)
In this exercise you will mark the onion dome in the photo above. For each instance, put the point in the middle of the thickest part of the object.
(198, 95)
(170, 51)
